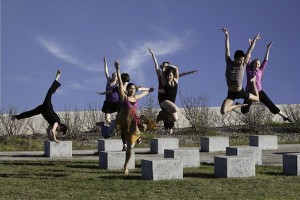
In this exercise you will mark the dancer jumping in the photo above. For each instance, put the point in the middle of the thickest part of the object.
(46, 109)
(256, 68)
(168, 125)
(234, 76)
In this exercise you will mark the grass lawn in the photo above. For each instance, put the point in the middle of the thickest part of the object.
(82, 179)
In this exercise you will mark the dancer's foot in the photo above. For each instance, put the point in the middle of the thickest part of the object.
(126, 171)
(239, 105)
(57, 75)
(124, 147)
(139, 141)
(287, 119)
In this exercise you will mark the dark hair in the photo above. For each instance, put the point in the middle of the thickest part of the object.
(168, 71)
(63, 128)
(130, 84)
(238, 54)
(125, 77)
(163, 63)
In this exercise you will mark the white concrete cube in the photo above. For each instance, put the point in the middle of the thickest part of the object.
(189, 157)
(213, 143)
(63, 149)
(115, 160)
(291, 164)
(162, 169)
(158, 145)
(255, 152)
(110, 145)
(265, 142)
(234, 166)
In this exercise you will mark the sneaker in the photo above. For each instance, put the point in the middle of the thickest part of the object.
(287, 119)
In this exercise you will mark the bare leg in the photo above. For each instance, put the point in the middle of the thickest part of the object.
(128, 156)
(228, 106)
(172, 110)
(107, 119)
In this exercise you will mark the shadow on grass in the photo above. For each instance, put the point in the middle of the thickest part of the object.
(40, 175)
(83, 166)
(27, 163)
(199, 175)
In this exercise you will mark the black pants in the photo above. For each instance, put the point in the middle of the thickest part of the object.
(46, 109)
(263, 97)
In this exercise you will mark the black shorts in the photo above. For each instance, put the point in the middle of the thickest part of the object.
(110, 107)
(242, 94)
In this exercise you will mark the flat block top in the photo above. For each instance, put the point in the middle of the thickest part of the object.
(233, 157)
(221, 137)
(263, 136)
(244, 147)
(159, 159)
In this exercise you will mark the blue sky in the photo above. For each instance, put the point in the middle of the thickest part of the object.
(40, 36)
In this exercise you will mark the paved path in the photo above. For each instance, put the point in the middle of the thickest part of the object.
(269, 157)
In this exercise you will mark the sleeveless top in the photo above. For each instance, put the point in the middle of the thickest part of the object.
(129, 105)
(114, 96)
(234, 74)
(170, 92)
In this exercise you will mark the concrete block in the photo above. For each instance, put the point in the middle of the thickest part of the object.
(115, 160)
(291, 164)
(265, 142)
(158, 145)
(63, 149)
(162, 169)
(109, 145)
(255, 152)
(189, 157)
(234, 166)
(213, 143)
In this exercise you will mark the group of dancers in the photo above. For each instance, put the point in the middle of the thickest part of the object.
(122, 97)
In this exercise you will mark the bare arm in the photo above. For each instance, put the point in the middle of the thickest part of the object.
(121, 86)
(106, 69)
(227, 49)
(268, 51)
(158, 72)
(53, 132)
(250, 49)
(106, 92)
(187, 73)
(144, 93)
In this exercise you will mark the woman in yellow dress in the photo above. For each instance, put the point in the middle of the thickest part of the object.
(127, 119)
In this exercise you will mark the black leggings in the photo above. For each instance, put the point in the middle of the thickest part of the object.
(265, 100)
(46, 109)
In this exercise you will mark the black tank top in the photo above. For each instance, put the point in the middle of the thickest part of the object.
(170, 92)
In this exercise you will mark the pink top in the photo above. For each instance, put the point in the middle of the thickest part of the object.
(255, 72)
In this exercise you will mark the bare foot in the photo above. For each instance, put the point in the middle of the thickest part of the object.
(57, 75)
(126, 171)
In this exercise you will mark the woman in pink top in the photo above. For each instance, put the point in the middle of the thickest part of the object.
(256, 68)
(127, 119)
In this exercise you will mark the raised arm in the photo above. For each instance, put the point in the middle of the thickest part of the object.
(158, 72)
(268, 51)
(121, 86)
(106, 69)
(227, 49)
(251, 47)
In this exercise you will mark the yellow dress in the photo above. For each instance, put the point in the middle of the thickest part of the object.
(128, 122)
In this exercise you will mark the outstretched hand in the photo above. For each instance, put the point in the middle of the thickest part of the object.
(151, 89)
(270, 44)
(104, 59)
(225, 31)
(117, 65)
(253, 79)
(150, 50)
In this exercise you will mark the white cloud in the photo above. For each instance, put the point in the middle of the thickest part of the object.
(138, 55)
(19, 78)
(59, 51)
